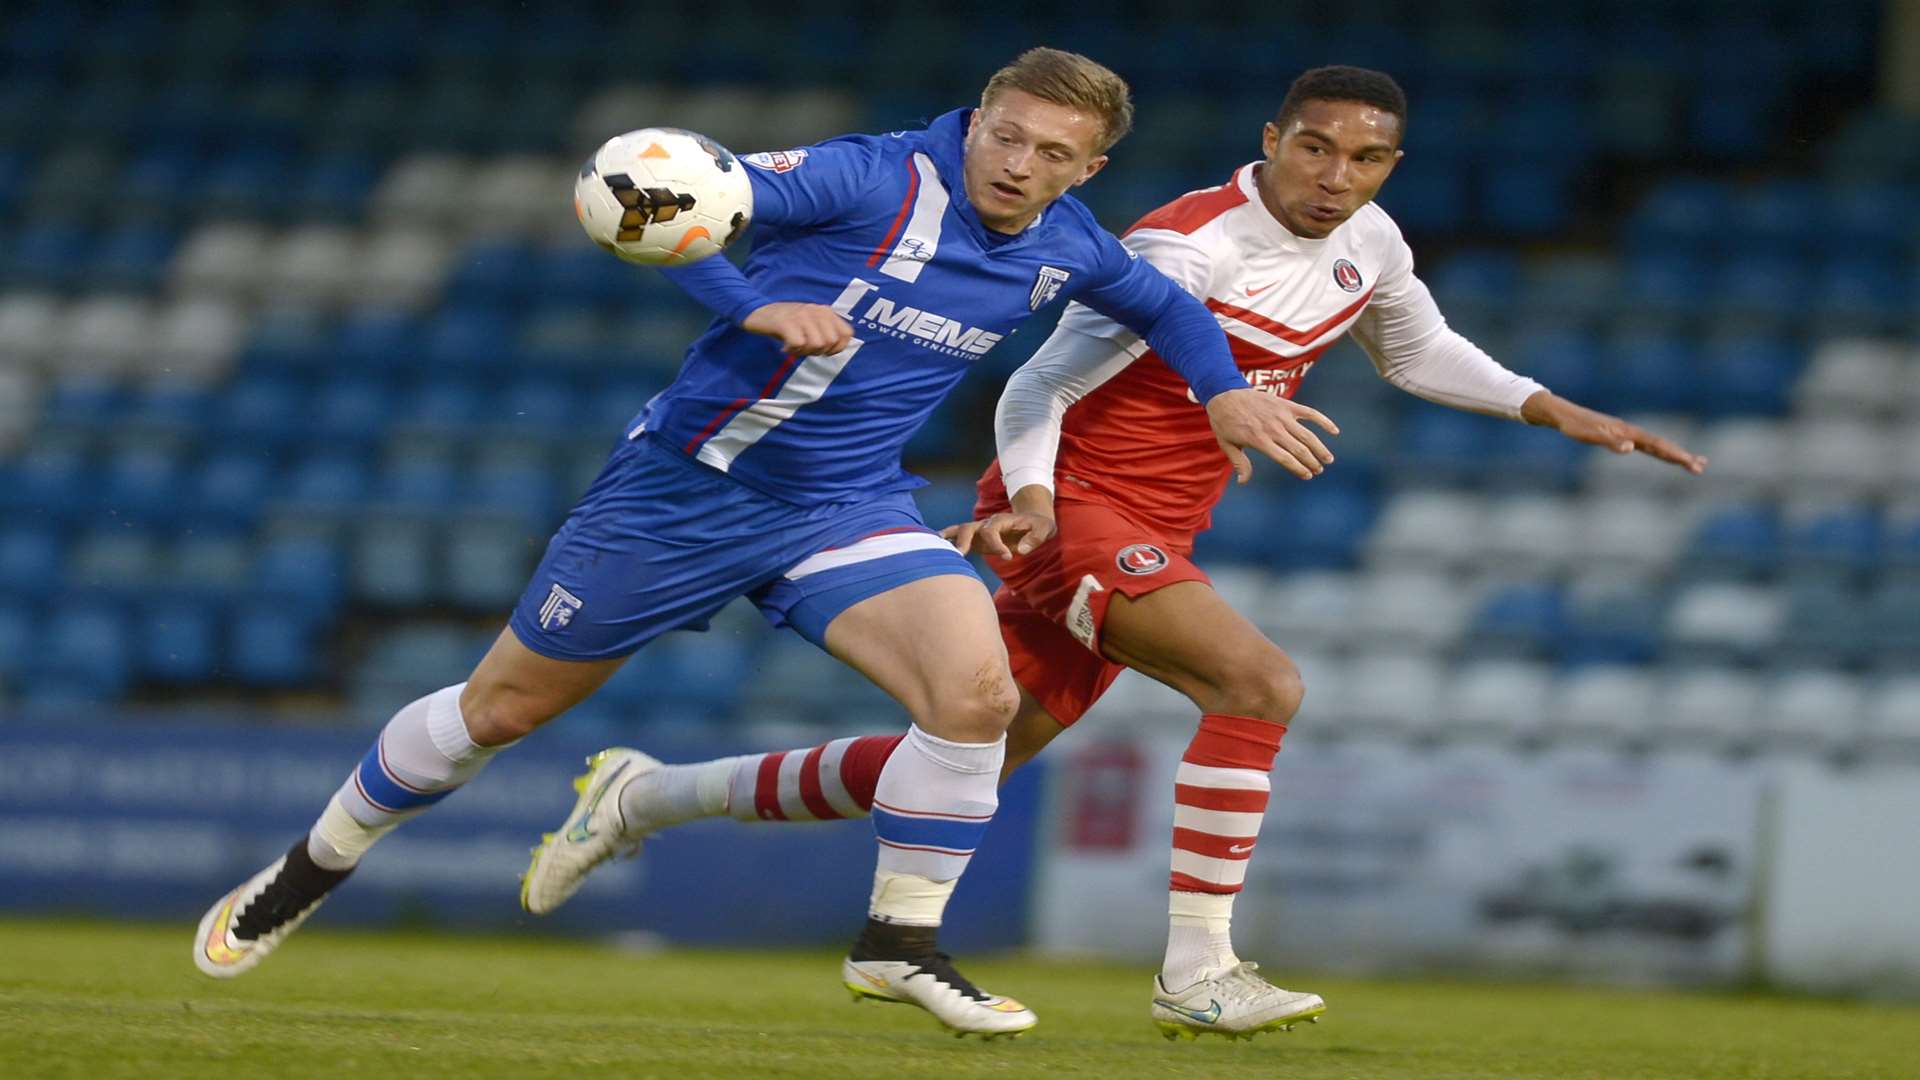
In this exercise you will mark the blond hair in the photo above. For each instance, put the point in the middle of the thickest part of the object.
(1066, 78)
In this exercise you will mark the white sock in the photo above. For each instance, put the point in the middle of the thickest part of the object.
(672, 794)
(1199, 939)
(423, 755)
(933, 802)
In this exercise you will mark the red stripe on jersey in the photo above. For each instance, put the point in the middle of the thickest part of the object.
(766, 789)
(810, 791)
(780, 373)
(1213, 847)
(1190, 211)
(1282, 330)
(1188, 883)
(1231, 800)
(899, 219)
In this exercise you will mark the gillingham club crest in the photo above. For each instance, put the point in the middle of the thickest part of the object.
(1046, 286)
(1141, 559)
(1346, 275)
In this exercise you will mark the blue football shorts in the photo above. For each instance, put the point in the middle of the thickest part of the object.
(661, 542)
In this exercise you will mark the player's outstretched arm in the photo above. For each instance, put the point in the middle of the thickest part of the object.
(1250, 419)
(1581, 424)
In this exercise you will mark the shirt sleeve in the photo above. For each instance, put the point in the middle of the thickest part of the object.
(1026, 427)
(1412, 347)
(1131, 291)
(808, 187)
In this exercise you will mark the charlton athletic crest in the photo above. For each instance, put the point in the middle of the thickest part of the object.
(1346, 275)
(1141, 559)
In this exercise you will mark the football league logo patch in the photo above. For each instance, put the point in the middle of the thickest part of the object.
(1141, 559)
(1346, 275)
(777, 160)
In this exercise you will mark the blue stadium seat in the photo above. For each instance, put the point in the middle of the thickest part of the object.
(1874, 221)
(1771, 221)
(249, 182)
(540, 403)
(1739, 541)
(1654, 373)
(394, 560)
(351, 410)
(579, 275)
(115, 560)
(46, 485)
(470, 339)
(380, 341)
(290, 341)
(1892, 615)
(134, 256)
(84, 403)
(494, 271)
(1441, 444)
(1479, 279)
(334, 188)
(179, 642)
(231, 487)
(31, 557)
(1749, 375)
(1760, 284)
(425, 482)
(87, 645)
(1732, 123)
(1525, 202)
(303, 576)
(524, 489)
(19, 639)
(330, 479)
(1526, 620)
(14, 170)
(1617, 628)
(210, 565)
(1324, 525)
(172, 410)
(271, 646)
(262, 410)
(1664, 281)
(1828, 624)
(487, 560)
(1682, 215)
(1845, 540)
(161, 179)
(1248, 525)
(1529, 458)
(1430, 198)
(1854, 293)
(143, 486)
(49, 255)
(445, 405)
(1568, 360)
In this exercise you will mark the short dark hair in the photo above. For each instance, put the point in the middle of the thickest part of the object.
(1342, 83)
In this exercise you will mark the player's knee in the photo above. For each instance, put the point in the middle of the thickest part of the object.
(979, 712)
(497, 713)
(1270, 690)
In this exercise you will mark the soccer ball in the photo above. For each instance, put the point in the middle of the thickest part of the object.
(663, 197)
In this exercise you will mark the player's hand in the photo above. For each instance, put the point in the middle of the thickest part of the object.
(803, 329)
(1252, 420)
(1581, 424)
(1003, 535)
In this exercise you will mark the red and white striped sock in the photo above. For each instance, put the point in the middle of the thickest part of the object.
(820, 783)
(1219, 797)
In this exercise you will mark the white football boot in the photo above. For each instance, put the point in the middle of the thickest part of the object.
(935, 986)
(242, 927)
(593, 832)
(1236, 1003)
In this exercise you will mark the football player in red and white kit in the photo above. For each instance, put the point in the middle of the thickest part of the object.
(1093, 543)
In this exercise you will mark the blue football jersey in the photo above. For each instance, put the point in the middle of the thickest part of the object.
(879, 228)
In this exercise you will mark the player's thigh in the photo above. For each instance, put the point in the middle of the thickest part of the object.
(1188, 637)
(933, 643)
(514, 689)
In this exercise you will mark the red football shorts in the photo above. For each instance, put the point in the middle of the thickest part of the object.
(1053, 602)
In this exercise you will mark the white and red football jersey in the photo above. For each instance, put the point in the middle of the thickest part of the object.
(1138, 439)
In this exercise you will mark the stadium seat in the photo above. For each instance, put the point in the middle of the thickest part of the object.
(231, 487)
(1530, 535)
(195, 340)
(1611, 620)
(1851, 377)
(1500, 699)
(142, 486)
(1843, 539)
(1724, 623)
(1741, 541)
(1893, 711)
(270, 646)
(1308, 610)
(1711, 706)
(1893, 615)
(1750, 375)
(1410, 610)
(86, 645)
(209, 565)
(1395, 693)
(301, 576)
(1605, 702)
(106, 335)
(30, 326)
(1524, 620)
(394, 562)
(401, 268)
(1429, 529)
(18, 635)
(1326, 525)
(1827, 625)
(487, 558)
(225, 258)
(31, 560)
(1813, 711)
(178, 642)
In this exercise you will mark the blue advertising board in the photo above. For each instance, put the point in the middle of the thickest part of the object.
(154, 819)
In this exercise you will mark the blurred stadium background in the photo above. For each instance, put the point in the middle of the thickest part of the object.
(302, 357)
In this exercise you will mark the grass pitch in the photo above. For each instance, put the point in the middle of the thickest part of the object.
(104, 1000)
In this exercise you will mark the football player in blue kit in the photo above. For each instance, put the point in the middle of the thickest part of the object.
(884, 267)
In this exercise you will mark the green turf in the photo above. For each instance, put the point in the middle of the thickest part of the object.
(101, 1000)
